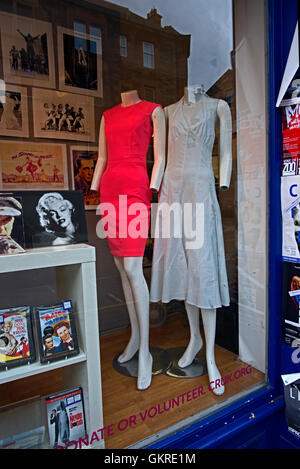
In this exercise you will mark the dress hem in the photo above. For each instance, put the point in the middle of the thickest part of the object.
(189, 302)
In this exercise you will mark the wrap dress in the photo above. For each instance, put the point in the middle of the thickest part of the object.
(181, 269)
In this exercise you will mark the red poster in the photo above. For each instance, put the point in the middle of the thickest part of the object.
(291, 140)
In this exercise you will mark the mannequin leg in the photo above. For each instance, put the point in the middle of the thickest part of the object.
(133, 344)
(133, 268)
(196, 342)
(209, 323)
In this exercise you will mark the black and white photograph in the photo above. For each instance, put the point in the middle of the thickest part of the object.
(60, 115)
(27, 51)
(14, 112)
(79, 62)
(53, 218)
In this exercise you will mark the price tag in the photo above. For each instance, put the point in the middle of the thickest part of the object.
(67, 304)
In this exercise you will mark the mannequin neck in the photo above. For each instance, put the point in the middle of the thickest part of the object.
(130, 97)
(197, 95)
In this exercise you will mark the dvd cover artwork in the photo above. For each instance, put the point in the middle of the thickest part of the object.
(56, 331)
(11, 225)
(65, 417)
(16, 339)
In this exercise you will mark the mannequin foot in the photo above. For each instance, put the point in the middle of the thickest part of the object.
(215, 379)
(191, 351)
(130, 350)
(144, 371)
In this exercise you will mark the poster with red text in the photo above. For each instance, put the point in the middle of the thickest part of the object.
(290, 139)
(38, 166)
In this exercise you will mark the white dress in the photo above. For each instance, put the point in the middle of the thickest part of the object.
(197, 276)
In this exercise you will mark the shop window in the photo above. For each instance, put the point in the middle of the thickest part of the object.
(195, 74)
(148, 55)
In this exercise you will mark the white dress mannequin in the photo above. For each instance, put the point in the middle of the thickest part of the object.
(193, 122)
(131, 268)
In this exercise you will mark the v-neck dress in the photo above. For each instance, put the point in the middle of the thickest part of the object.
(124, 187)
(183, 270)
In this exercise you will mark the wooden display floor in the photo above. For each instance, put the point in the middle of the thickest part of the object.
(134, 415)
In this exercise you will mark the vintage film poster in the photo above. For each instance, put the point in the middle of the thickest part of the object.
(13, 111)
(84, 159)
(33, 439)
(79, 62)
(66, 417)
(12, 239)
(290, 210)
(16, 339)
(27, 51)
(290, 302)
(29, 165)
(53, 218)
(61, 115)
(56, 331)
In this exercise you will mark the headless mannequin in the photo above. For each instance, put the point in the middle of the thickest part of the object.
(131, 268)
(208, 315)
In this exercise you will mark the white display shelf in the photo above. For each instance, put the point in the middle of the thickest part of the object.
(35, 368)
(47, 257)
(75, 280)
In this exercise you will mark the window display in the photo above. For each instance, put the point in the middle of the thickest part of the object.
(123, 148)
(132, 178)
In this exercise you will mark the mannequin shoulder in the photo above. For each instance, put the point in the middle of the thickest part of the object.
(222, 106)
(168, 110)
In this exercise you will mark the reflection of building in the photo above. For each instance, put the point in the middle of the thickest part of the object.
(138, 53)
(156, 61)
(224, 89)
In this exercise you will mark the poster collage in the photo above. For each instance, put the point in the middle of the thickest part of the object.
(57, 108)
(290, 210)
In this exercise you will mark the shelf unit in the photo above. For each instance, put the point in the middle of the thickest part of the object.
(75, 280)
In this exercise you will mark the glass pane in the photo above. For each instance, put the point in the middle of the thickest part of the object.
(150, 118)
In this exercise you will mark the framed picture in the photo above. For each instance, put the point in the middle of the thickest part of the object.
(29, 165)
(14, 111)
(27, 51)
(60, 115)
(53, 218)
(79, 62)
(84, 159)
(12, 240)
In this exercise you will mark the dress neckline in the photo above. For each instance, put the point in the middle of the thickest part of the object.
(131, 105)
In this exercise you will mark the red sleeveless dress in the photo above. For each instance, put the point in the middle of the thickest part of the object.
(124, 189)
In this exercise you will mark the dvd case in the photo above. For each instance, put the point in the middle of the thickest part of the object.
(66, 417)
(56, 331)
(16, 338)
